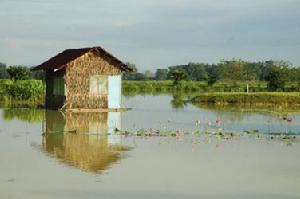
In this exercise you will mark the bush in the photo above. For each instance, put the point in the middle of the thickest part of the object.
(32, 90)
(18, 72)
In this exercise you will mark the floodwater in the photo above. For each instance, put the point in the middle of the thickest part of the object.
(48, 154)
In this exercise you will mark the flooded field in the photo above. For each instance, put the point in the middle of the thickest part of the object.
(151, 151)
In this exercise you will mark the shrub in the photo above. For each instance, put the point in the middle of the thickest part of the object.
(32, 90)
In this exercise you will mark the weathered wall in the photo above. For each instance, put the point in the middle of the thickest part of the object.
(77, 79)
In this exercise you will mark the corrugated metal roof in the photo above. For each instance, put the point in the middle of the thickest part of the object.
(60, 60)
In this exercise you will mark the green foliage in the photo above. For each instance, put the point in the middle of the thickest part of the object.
(161, 74)
(39, 74)
(18, 72)
(193, 71)
(130, 75)
(4, 86)
(178, 76)
(159, 87)
(276, 78)
(178, 100)
(235, 70)
(21, 90)
(3, 72)
(213, 74)
(140, 76)
(278, 74)
(134, 87)
(135, 75)
(260, 98)
(166, 86)
(237, 86)
(25, 114)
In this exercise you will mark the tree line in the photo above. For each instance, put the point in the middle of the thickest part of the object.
(19, 73)
(276, 73)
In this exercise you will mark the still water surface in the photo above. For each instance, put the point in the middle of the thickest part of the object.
(48, 154)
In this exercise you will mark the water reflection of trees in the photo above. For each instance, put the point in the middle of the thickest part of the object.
(178, 100)
(239, 112)
(233, 113)
(24, 114)
(84, 140)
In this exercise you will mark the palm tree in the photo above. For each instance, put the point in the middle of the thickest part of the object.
(178, 76)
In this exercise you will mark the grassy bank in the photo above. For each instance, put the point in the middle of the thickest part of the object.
(166, 86)
(32, 92)
(255, 99)
(160, 87)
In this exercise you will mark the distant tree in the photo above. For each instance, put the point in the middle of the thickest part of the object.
(130, 75)
(213, 74)
(266, 69)
(196, 71)
(148, 74)
(276, 78)
(294, 74)
(3, 72)
(276, 73)
(172, 69)
(140, 76)
(232, 69)
(132, 67)
(161, 74)
(251, 71)
(269, 66)
(178, 76)
(18, 72)
(39, 74)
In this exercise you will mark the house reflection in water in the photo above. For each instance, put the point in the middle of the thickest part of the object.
(84, 140)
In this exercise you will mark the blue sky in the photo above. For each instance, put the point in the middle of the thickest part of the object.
(152, 33)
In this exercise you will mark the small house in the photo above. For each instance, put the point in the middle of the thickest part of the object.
(86, 78)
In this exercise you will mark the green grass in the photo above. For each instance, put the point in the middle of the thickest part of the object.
(25, 92)
(160, 87)
(166, 86)
(238, 86)
(258, 98)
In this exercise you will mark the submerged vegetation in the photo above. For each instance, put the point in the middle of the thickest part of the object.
(211, 133)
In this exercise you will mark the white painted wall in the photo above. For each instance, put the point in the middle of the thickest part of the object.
(114, 91)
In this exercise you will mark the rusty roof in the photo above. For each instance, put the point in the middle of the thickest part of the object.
(60, 60)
